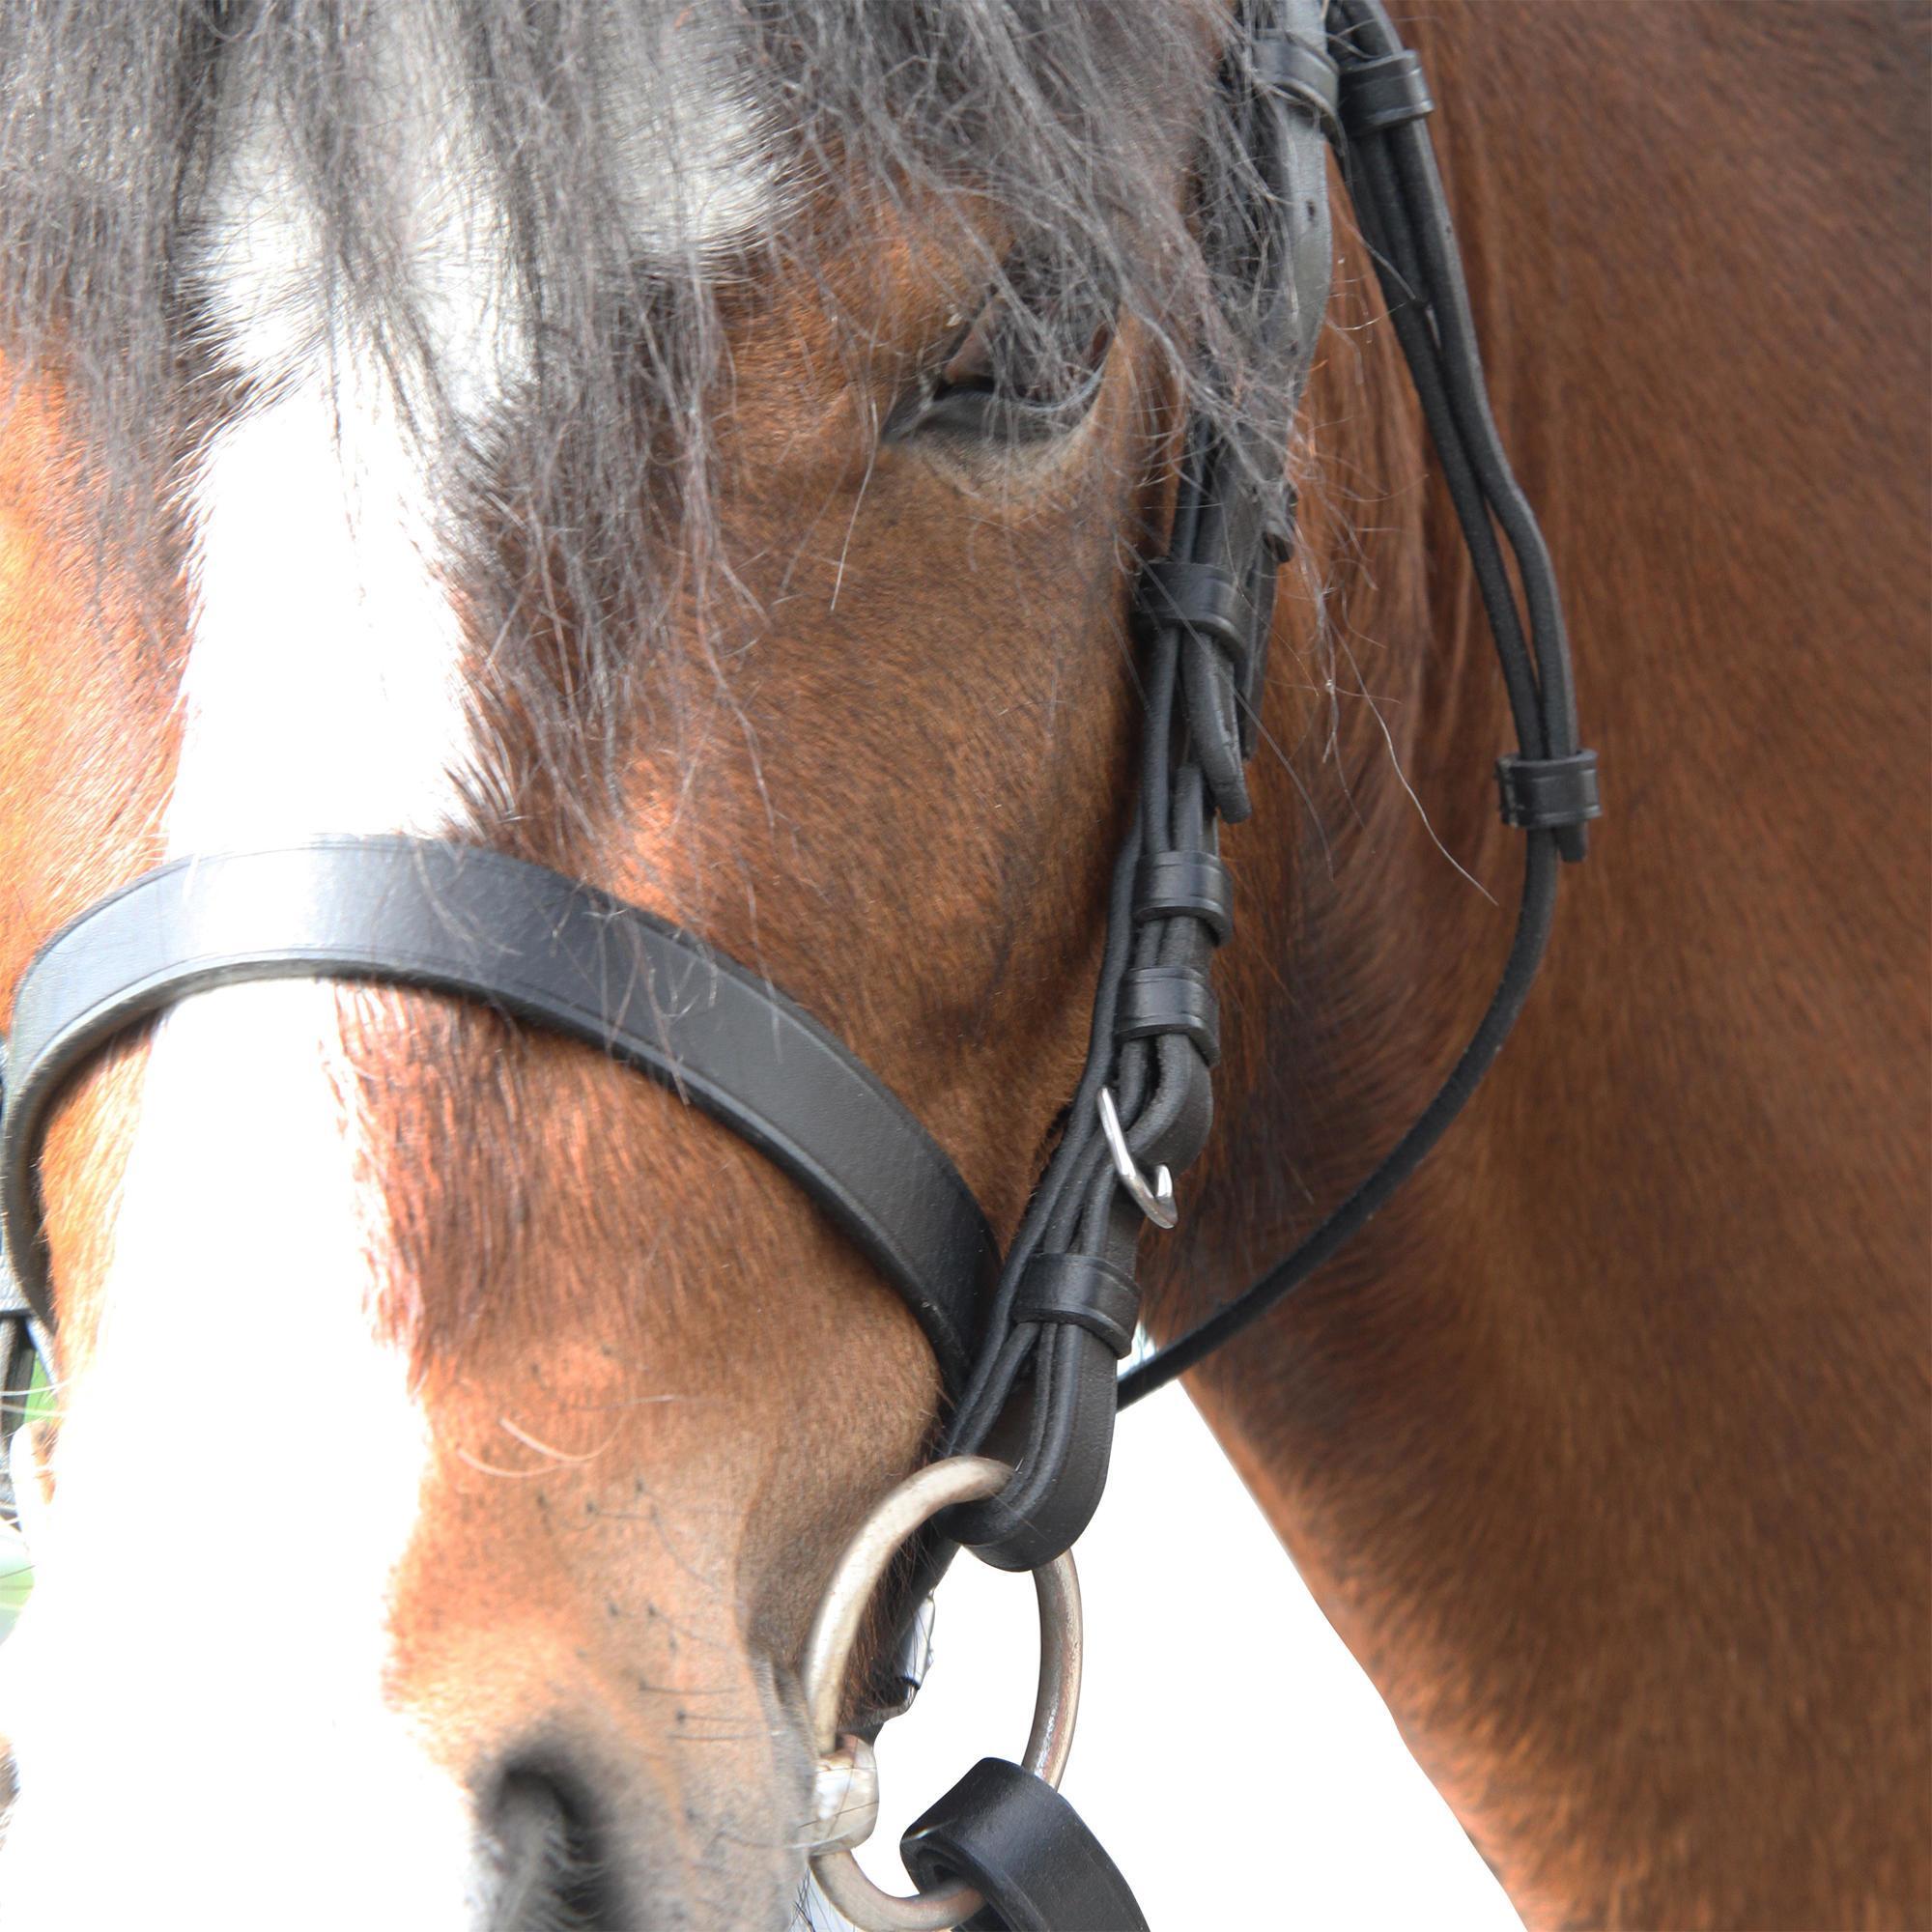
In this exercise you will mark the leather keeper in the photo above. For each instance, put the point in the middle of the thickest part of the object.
(1084, 1290)
(1547, 794)
(1378, 95)
(1302, 72)
(1195, 884)
(1160, 1000)
(1205, 600)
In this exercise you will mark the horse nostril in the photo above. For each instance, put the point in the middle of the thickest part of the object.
(552, 1874)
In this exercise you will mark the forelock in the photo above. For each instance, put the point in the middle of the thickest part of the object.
(649, 163)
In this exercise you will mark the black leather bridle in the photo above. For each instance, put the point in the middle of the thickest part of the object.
(1029, 1346)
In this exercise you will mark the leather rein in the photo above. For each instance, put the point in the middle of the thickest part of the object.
(1030, 1342)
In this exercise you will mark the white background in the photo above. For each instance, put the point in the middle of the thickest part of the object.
(1231, 1755)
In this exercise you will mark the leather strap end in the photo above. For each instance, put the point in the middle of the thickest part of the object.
(1015, 1839)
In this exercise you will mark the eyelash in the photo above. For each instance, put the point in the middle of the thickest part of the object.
(1023, 370)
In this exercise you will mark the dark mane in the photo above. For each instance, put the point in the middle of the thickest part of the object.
(1076, 123)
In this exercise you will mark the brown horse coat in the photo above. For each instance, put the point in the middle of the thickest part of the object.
(1609, 1447)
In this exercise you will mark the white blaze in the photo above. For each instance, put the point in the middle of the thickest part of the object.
(195, 1693)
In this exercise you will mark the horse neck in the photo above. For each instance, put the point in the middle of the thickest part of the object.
(1516, 1436)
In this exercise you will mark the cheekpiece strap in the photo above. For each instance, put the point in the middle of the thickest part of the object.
(1065, 1305)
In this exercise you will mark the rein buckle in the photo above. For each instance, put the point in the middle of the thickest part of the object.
(1156, 1202)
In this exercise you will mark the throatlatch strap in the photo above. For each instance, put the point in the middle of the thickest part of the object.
(543, 948)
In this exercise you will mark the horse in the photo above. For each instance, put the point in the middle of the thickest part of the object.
(704, 451)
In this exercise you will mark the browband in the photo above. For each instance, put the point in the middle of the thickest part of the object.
(542, 948)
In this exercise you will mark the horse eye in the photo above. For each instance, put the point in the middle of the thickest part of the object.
(1025, 368)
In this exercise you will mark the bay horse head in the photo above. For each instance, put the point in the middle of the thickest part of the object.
(700, 451)
(704, 456)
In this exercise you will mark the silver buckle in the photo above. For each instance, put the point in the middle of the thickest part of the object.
(1156, 1202)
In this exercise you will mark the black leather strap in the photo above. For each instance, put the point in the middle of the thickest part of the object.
(543, 948)
(1043, 1393)
(1549, 783)
(1014, 1838)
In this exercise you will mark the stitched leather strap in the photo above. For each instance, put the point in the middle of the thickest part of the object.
(543, 948)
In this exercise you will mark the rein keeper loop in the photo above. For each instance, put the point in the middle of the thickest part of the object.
(1196, 885)
(1084, 1290)
(1203, 598)
(1378, 95)
(1302, 73)
(1170, 999)
(1550, 794)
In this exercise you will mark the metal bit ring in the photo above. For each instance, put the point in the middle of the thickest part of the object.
(828, 1651)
